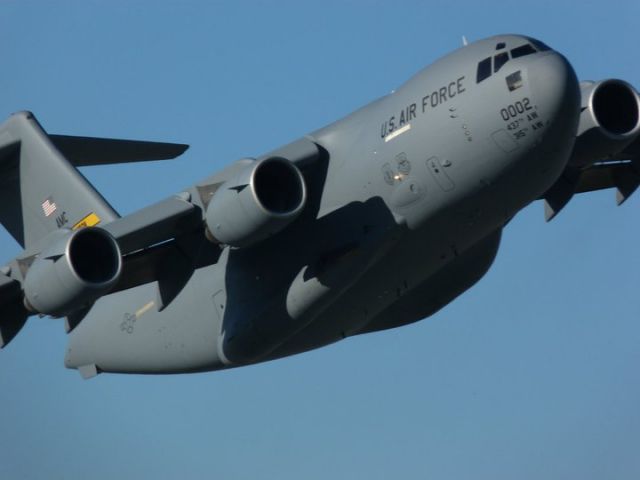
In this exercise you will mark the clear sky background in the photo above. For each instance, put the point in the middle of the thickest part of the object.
(532, 374)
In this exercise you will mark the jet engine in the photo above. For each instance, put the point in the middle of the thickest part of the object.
(258, 202)
(609, 121)
(75, 269)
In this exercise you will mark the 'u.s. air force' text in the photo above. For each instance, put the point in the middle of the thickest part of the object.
(430, 101)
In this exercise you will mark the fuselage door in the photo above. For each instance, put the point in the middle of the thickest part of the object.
(438, 171)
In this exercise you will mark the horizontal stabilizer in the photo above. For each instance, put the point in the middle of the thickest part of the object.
(86, 151)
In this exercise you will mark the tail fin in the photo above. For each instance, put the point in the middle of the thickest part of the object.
(40, 190)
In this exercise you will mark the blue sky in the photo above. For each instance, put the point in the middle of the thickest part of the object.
(531, 374)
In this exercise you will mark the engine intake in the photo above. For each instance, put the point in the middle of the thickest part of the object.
(615, 107)
(258, 202)
(75, 269)
(610, 120)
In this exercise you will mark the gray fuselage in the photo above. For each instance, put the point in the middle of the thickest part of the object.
(406, 209)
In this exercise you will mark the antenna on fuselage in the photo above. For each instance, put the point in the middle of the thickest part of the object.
(464, 41)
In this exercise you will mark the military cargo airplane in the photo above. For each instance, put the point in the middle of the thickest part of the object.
(373, 222)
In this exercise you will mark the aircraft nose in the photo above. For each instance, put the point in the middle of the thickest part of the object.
(556, 91)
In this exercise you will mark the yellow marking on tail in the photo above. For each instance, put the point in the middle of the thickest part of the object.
(90, 220)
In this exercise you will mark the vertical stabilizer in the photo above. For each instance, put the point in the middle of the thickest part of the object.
(40, 191)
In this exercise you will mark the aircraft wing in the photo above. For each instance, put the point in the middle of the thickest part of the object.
(164, 242)
(154, 224)
(155, 244)
(624, 176)
(606, 151)
(632, 151)
(172, 228)
(600, 160)
(621, 171)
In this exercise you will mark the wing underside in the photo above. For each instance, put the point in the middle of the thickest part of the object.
(620, 171)
(624, 176)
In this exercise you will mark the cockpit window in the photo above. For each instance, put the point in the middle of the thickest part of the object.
(541, 46)
(499, 60)
(484, 70)
(523, 50)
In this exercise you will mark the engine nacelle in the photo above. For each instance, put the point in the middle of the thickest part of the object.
(610, 120)
(258, 202)
(75, 269)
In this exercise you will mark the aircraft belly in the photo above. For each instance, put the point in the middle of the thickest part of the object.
(410, 265)
(441, 288)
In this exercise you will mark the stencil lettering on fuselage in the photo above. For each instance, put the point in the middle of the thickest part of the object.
(428, 102)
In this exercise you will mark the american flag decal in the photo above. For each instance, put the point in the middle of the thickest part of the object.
(48, 206)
